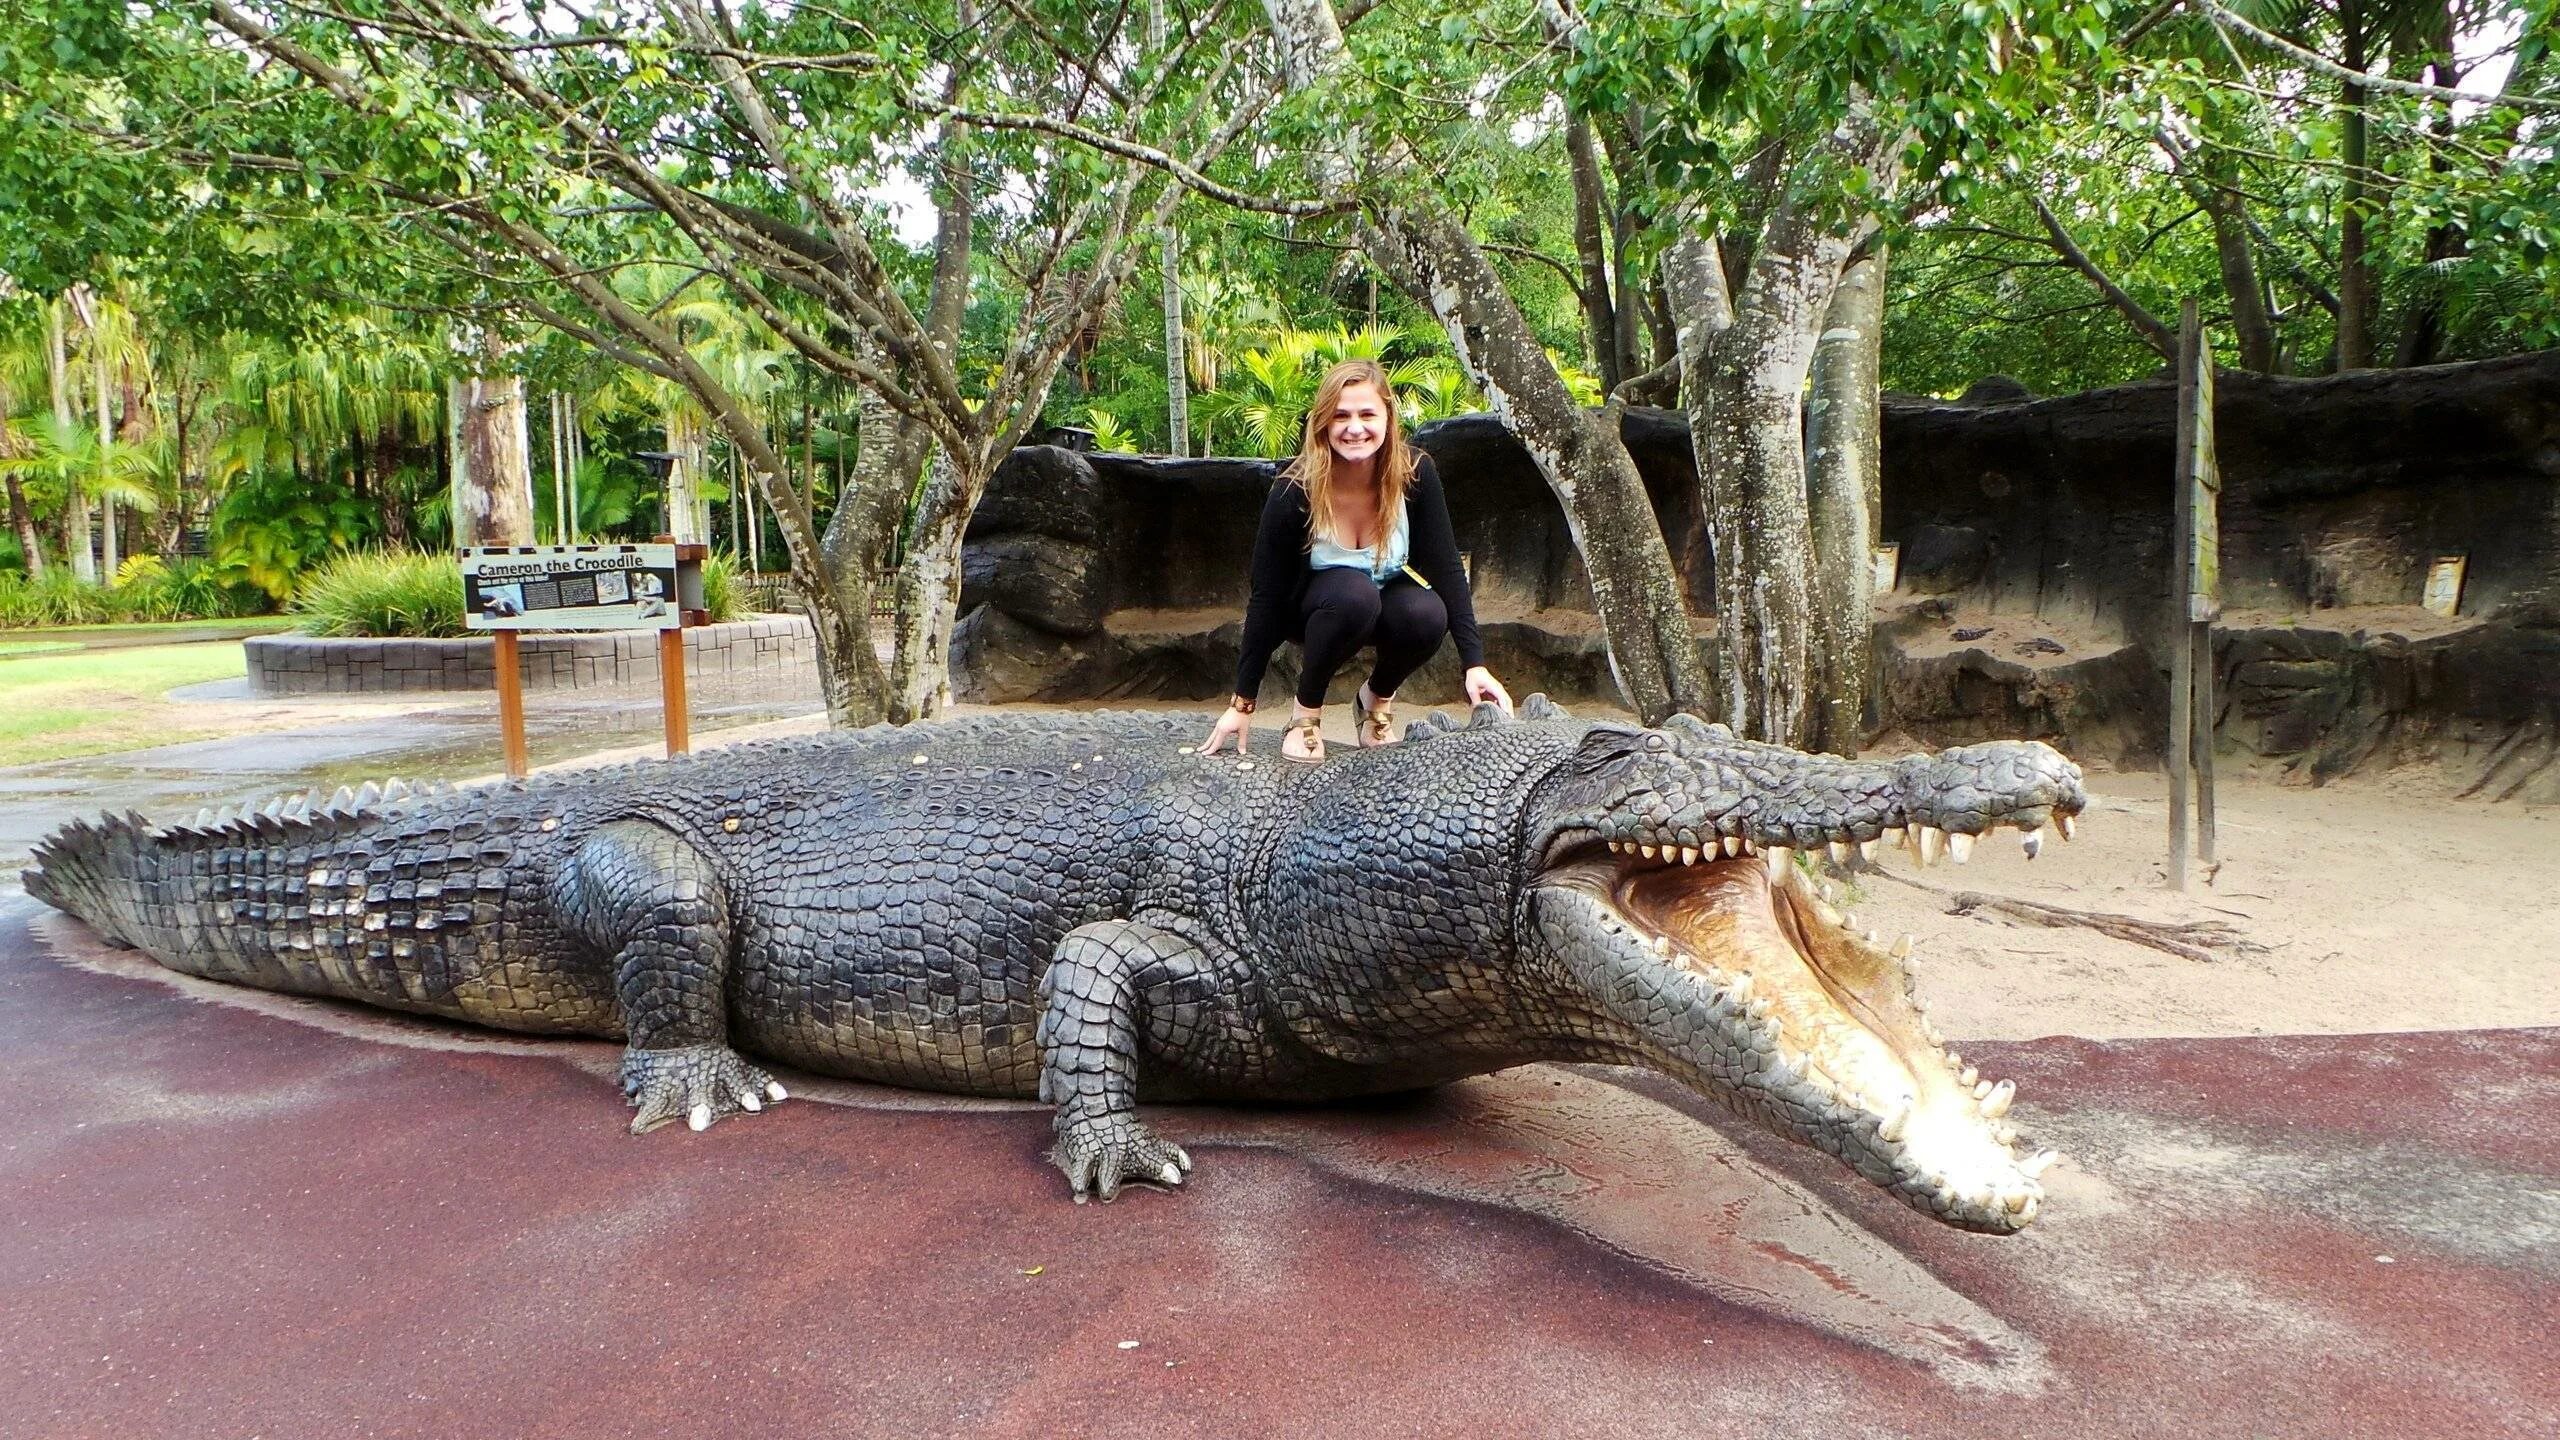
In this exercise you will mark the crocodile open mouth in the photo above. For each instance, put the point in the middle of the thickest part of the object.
(1737, 974)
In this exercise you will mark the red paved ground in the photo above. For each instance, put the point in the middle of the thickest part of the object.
(223, 1222)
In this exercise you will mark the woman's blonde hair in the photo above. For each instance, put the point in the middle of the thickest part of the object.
(1313, 469)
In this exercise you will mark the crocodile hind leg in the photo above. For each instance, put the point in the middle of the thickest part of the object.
(655, 903)
(1114, 988)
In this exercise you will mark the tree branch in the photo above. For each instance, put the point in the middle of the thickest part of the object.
(2142, 320)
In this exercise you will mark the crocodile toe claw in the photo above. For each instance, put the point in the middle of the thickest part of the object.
(697, 1084)
(1102, 1153)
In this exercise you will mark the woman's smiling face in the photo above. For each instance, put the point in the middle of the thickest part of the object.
(1359, 424)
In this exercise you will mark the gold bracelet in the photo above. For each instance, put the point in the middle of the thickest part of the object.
(1240, 705)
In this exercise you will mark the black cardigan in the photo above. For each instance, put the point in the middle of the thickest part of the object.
(1280, 570)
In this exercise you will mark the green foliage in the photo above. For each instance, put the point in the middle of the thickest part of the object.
(146, 589)
(273, 525)
(722, 595)
(1109, 434)
(384, 593)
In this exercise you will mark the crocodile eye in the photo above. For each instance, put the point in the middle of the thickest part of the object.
(1656, 743)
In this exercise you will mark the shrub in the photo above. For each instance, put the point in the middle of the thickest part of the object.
(720, 589)
(381, 593)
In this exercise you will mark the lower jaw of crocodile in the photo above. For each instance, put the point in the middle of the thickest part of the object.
(1736, 978)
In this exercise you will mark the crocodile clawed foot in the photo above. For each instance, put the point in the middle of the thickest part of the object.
(1102, 1152)
(693, 1083)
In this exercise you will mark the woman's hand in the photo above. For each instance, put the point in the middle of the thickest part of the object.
(1237, 723)
(1482, 687)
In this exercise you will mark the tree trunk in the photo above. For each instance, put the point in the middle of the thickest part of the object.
(1591, 249)
(2355, 271)
(492, 459)
(871, 505)
(928, 596)
(23, 522)
(111, 559)
(2422, 334)
(75, 500)
(395, 498)
(2251, 325)
(688, 513)
(1844, 450)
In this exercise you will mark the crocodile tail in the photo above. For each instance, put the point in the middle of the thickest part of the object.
(97, 872)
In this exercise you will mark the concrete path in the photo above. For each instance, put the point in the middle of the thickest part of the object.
(239, 1214)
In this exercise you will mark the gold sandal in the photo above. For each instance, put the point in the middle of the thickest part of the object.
(1308, 732)
(1376, 723)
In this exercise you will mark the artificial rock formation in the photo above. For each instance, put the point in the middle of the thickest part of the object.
(2040, 522)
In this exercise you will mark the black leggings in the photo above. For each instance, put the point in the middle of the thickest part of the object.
(1344, 609)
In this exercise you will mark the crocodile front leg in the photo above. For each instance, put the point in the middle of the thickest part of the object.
(1114, 986)
(656, 904)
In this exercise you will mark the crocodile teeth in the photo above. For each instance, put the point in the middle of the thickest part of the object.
(1867, 851)
(700, 1119)
(1933, 842)
(1646, 850)
(1968, 1077)
(1960, 849)
(747, 1101)
(1782, 863)
(1982, 1089)
(1894, 835)
(1732, 846)
(1902, 948)
(2035, 1165)
(1895, 1124)
(1996, 1104)
(345, 798)
(1739, 992)
(2032, 842)
(2068, 825)
(1688, 854)
(773, 1091)
(368, 795)
(395, 790)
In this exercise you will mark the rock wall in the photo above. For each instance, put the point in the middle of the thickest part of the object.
(2040, 523)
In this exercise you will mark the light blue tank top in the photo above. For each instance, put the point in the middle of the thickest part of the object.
(1379, 562)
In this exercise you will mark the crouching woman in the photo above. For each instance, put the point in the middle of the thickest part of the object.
(1355, 548)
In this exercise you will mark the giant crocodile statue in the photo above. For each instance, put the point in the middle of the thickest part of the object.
(1078, 908)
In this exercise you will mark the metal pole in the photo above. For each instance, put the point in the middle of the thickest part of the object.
(511, 704)
(2181, 746)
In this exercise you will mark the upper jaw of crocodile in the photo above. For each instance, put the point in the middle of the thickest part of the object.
(1737, 978)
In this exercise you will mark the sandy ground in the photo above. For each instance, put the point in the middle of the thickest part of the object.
(2378, 903)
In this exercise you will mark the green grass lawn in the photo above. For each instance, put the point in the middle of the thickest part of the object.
(93, 702)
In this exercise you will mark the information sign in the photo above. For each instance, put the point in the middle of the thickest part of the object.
(574, 587)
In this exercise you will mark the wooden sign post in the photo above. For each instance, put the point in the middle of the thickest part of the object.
(2195, 594)
(509, 589)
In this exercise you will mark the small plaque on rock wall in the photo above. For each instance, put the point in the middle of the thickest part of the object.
(1888, 562)
(2443, 594)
